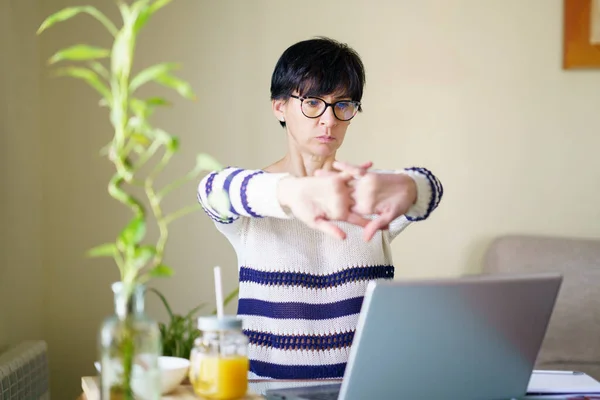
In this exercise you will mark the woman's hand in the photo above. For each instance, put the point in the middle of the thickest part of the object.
(386, 195)
(318, 200)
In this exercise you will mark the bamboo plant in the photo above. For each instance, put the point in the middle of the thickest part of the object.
(136, 144)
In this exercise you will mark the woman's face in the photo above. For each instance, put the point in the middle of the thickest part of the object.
(320, 136)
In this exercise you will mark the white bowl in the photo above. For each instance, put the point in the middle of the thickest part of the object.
(173, 370)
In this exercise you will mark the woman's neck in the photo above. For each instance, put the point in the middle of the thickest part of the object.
(299, 164)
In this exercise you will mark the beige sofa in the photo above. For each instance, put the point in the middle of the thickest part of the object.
(573, 338)
(24, 372)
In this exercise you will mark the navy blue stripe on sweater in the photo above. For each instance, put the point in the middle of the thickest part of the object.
(244, 195)
(312, 281)
(226, 186)
(300, 342)
(277, 371)
(300, 310)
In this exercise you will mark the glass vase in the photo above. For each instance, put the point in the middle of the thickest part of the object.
(129, 346)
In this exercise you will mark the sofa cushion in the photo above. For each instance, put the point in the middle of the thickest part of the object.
(573, 338)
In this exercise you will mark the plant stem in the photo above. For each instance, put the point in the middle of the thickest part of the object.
(127, 354)
(143, 159)
(176, 183)
(154, 201)
(162, 225)
(119, 261)
(182, 212)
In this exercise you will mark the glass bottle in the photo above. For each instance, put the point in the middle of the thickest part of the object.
(219, 359)
(129, 346)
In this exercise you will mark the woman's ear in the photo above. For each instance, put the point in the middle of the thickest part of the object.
(279, 109)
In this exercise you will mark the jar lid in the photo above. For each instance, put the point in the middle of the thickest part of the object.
(214, 323)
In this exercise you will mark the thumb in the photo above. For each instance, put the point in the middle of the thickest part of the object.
(352, 169)
(357, 219)
(366, 165)
(378, 223)
(329, 228)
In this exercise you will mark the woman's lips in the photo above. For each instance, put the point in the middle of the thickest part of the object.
(325, 139)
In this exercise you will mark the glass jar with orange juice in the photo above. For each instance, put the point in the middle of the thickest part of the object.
(219, 360)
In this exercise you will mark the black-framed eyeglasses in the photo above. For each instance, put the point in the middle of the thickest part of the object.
(314, 107)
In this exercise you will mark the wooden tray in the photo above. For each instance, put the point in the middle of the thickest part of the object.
(183, 392)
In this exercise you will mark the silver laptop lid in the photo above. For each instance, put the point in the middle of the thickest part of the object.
(466, 338)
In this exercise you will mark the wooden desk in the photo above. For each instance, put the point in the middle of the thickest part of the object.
(89, 385)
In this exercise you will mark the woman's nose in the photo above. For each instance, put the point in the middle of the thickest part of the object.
(328, 118)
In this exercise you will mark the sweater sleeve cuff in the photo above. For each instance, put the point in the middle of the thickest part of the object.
(264, 199)
(426, 194)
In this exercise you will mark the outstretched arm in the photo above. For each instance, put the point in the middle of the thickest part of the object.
(316, 201)
(250, 193)
(429, 192)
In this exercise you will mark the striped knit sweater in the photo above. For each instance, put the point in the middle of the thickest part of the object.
(300, 290)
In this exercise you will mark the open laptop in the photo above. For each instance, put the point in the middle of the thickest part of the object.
(474, 337)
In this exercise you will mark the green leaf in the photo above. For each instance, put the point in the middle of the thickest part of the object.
(173, 144)
(157, 101)
(104, 250)
(160, 271)
(145, 108)
(146, 10)
(79, 52)
(180, 86)
(143, 16)
(138, 107)
(151, 73)
(194, 310)
(232, 295)
(229, 298)
(219, 201)
(105, 150)
(205, 162)
(170, 141)
(125, 11)
(157, 5)
(144, 13)
(100, 69)
(164, 301)
(134, 232)
(140, 139)
(143, 255)
(70, 12)
(90, 77)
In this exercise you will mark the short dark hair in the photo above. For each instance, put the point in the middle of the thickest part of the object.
(318, 67)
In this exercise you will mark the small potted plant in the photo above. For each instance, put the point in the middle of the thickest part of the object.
(180, 331)
(139, 151)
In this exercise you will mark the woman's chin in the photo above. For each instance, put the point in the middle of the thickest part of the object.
(324, 150)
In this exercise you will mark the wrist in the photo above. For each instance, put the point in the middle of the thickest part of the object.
(285, 189)
(425, 192)
(407, 184)
(413, 190)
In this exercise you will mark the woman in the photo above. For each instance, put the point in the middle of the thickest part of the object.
(310, 232)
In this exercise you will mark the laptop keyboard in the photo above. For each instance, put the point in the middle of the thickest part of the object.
(319, 392)
(322, 396)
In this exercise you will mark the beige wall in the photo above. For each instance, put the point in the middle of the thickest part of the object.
(471, 89)
(21, 272)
